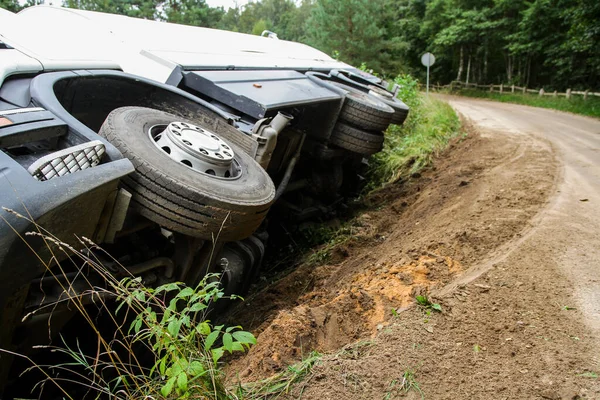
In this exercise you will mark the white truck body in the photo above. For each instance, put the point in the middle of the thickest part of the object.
(61, 38)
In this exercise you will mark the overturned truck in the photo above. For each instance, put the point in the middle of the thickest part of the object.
(166, 145)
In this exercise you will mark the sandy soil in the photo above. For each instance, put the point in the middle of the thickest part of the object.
(502, 232)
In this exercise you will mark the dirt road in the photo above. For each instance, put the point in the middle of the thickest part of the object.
(503, 232)
(569, 229)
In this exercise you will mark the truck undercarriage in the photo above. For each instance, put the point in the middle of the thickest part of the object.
(172, 180)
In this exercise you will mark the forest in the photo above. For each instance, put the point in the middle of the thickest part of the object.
(553, 44)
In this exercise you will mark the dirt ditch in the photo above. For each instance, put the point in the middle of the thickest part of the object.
(481, 194)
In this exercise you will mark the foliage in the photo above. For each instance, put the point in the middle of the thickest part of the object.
(167, 328)
(424, 302)
(192, 12)
(549, 43)
(431, 123)
(10, 5)
(348, 27)
(576, 104)
(186, 347)
(147, 9)
(16, 5)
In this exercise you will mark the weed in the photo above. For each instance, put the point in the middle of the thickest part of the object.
(425, 303)
(279, 384)
(566, 308)
(588, 374)
(410, 383)
(404, 385)
(356, 350)
(476, 348)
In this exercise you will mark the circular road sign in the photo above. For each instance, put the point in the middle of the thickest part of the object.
(427, 59)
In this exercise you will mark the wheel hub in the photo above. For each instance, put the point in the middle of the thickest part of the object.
(197, 148)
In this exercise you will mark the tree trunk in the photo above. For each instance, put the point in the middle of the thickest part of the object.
(509, 68)
(485, 65)
(468, 68)
(528, 73)
(460, 64)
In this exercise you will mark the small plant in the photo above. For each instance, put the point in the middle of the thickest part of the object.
(279, 384)
(166, 324)
(410, 383)
(424, 302)
(588, 374)
(186, 352)
(404, 385)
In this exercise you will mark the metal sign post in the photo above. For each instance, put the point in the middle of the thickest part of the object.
(427, 60)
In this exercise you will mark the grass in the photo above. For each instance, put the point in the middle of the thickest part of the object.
(411, 147)
(402, 386)
(281, 383)
(576, 104)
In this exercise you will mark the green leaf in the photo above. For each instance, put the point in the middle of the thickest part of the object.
(138, 325)
(185, 320)
(237, 346)
(168, 387)
(182, 382)
(187, 292)
(139, 295)
(173, 305)
(436, 307)
(196, 368)
(210, 340)
(228, 342)
(203, 328)
(244, 337)
(173, 328)
(197, 307)
(167, 288)
(422, 300)
(217, 354)
(162, 365)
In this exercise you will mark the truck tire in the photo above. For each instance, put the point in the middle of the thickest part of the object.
(364, 110)
(358, 141)
(178, 197)
(400, 110)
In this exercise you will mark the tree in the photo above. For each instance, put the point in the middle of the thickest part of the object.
(353, 28)
(147, 9)
(192, 12)
(11, 5)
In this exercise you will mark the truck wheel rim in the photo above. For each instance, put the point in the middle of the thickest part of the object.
(379, 92)
(197, 148)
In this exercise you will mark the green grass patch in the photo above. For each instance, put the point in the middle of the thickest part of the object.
(411, 147)
(576, 104)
